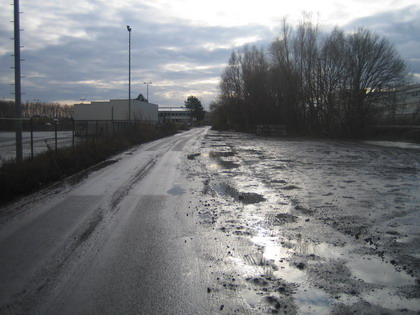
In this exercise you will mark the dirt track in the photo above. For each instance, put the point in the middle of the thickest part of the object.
(311, 226)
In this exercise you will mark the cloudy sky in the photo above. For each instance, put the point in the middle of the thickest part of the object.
(79, 49)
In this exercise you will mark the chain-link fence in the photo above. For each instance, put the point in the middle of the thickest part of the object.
(40, 134)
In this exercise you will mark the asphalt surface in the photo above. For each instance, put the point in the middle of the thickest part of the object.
(116, 242)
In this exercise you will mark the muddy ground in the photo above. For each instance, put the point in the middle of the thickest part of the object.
(309, 226)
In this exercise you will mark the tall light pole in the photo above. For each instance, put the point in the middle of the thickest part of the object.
(129, 72)
(147, 85)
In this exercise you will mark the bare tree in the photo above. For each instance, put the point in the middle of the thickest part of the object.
(284, 78)
(373, 66)
(306, 55)
(331, 80)
(231, 92)
(255, 68)
(318, 85)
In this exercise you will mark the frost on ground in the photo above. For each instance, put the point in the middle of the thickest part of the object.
(311, 226)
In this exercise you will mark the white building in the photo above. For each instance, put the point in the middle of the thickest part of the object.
(175, 114)
(105, 118)
(116, 110)
(401, 106)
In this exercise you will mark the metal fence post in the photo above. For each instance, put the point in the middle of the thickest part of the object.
(106, 130)
(73, 134)
(96, 130)
(32, 138)
(55, 133)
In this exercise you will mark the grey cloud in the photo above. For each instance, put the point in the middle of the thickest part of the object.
(401, 27)
(96, 66)
(64, 69)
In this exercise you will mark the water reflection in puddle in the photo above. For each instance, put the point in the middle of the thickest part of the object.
(217, 160)
(389, 299)
(378, 272)
(313, 301)
(308, 299)
(369, 269)
(176, 191)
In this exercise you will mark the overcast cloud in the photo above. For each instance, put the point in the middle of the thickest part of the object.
(79, 49)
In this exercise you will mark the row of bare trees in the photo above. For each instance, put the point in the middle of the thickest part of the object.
(312, 82)
(36, 109)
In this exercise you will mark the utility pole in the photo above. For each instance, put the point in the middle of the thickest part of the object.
(18, 101)
(129, 72)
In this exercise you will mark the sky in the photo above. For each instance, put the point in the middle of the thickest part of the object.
(78, 50)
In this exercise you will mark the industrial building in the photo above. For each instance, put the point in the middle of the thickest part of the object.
(106, 117)
(116, 110)
(175, 114)
(402, 106)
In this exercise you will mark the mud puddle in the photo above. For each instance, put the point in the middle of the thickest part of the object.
(247, 198)
(313, 220)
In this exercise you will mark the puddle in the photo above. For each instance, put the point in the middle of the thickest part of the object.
(220, 164)
(374, 270)
(176, 191)
(192, 156)
(275, 252)
(224, 189)
(308, 299)
(370, 269)
(388, 299)
(219, 160)
(313, 301)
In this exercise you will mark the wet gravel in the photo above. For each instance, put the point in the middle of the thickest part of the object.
(310, 226)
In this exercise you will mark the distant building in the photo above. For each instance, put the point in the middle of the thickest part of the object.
(175, 114)
(116, 110)
(100, 117)
(402, 106)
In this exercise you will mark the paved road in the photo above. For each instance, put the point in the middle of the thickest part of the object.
(118, 242)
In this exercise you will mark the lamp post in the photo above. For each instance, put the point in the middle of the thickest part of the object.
(129, 72)
(147, 90)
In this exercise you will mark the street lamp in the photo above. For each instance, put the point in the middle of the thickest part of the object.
(129, 72)
(147, 85)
